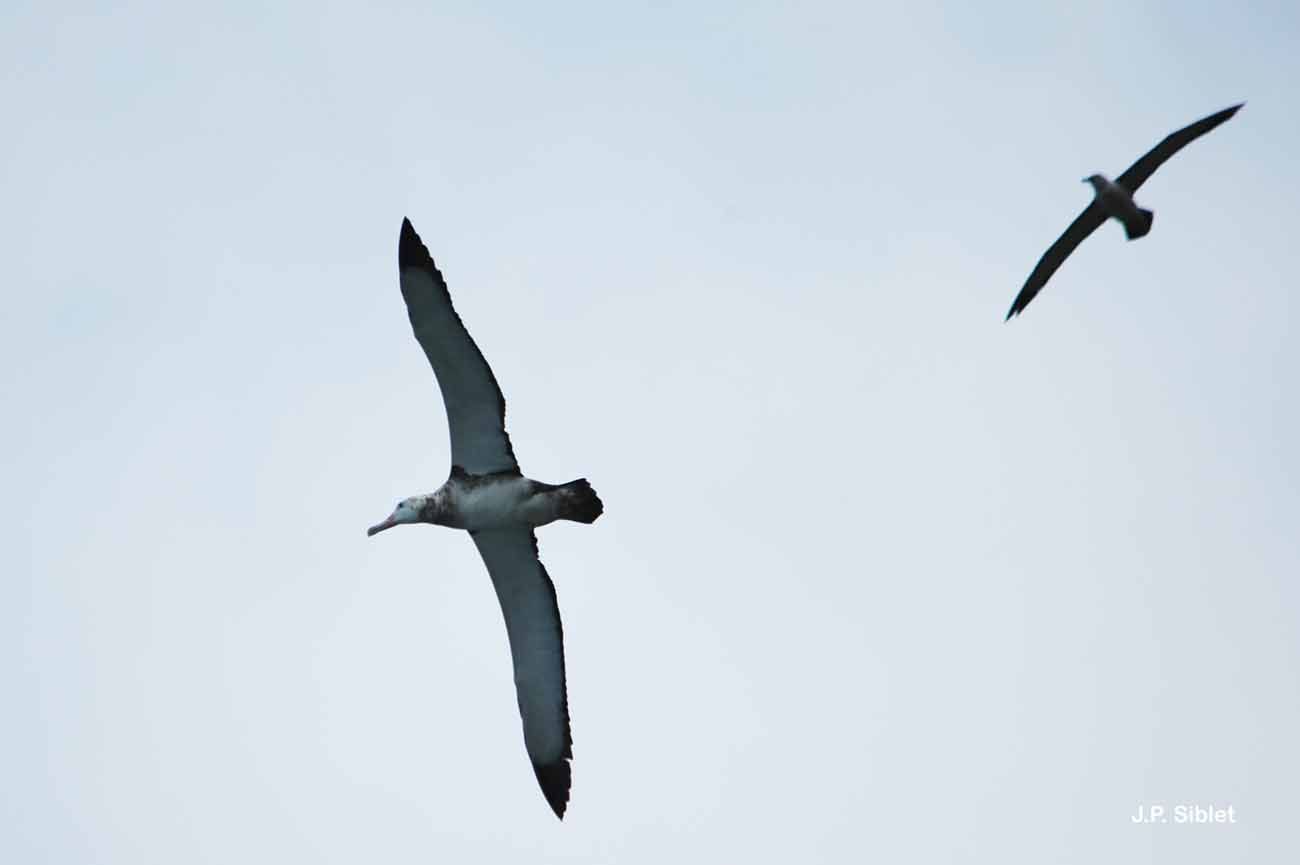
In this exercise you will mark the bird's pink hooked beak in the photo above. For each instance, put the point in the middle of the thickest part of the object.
(379, 527)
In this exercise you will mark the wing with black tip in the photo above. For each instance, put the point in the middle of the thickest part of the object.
(476, 410)
(532, 616)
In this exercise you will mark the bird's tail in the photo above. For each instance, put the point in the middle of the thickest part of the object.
(579, 502)
(1138, 226)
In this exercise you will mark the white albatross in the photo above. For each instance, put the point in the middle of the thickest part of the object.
(488, 496)
(1114, 199)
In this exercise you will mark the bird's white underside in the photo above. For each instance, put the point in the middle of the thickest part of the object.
(500, 504)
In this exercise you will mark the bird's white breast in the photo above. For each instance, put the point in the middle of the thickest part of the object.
(493, 504)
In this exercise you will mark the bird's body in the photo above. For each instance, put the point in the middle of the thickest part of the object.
(488, 496)
(1114, 199)
(499, 502)
(503, 500)
(1117, 203)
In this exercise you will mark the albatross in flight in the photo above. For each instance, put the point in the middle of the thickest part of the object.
(1114, 199)
(488, 496)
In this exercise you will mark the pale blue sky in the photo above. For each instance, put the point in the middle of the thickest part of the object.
(880, 578)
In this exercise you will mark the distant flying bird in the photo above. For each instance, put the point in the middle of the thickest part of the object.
(488, 496)
(1114, 199)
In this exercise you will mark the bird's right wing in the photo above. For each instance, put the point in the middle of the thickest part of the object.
(476, 410)
(1084, 224)
(1139, 171)
(532, 615)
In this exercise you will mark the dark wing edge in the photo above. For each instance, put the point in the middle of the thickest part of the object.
(1138, 173)
(1084, 224)
(412, 253)
(556, 777)
(502, 551)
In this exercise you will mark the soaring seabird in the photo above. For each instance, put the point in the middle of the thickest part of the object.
(1114, 199)
(488, 496)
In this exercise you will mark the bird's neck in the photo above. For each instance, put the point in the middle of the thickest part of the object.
(434, 509)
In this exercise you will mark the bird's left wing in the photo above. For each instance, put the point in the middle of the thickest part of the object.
(1084, 224)
(537, 649)
(1139, 171)
(476, 410)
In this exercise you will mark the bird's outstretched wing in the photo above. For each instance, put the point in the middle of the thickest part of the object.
(1139, 171)
(537, 649)
(476, 410)
(1084, 224)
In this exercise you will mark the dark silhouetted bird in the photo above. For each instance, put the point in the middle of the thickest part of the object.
(1114, 199)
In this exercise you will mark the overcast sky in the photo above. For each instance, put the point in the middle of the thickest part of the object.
(880, 577)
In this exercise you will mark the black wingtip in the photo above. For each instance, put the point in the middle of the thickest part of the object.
(411, 251)
(1228, 113)
(555, 780)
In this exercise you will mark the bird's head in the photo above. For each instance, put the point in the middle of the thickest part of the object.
(1098, 182)
(407, 511)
